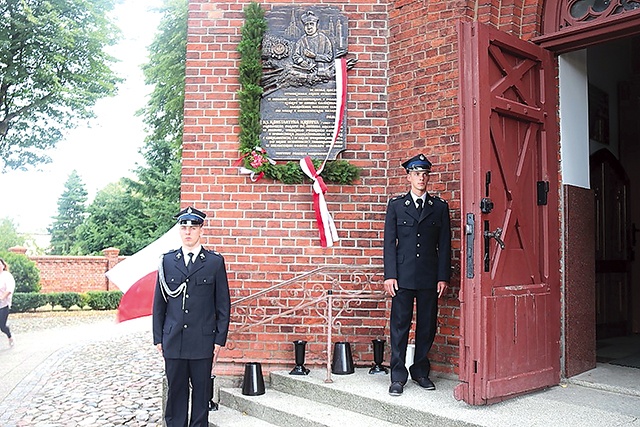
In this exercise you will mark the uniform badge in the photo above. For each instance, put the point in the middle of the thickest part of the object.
(407, 203)
(430, 202)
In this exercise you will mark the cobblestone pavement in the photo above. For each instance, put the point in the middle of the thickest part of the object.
(114, 380)
(21, 323)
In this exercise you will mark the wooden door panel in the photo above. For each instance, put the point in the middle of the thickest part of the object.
(520, 352)
(510, 296)
(610, 184)
(522, 345)
(612, 304)
(515, 195)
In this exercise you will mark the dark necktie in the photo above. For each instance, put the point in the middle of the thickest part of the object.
(190, 263)
(419, 207)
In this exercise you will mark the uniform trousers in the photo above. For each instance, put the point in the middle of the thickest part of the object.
(426, 321)
(180, 373)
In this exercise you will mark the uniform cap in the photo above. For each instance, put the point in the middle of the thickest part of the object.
(309, 17)
(190, 216)
(417, 163)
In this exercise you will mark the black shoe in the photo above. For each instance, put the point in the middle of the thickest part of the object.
(425, 382)
(396, 388)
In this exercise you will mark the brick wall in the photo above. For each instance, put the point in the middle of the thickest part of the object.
(402, 99)
(266, 230)
(75, 273)
(423, 116)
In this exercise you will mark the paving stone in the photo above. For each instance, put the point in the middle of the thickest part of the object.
(111, 382)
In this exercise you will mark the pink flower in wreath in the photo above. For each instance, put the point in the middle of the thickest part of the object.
(258, 159)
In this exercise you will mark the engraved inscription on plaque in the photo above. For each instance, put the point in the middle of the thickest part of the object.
(298, 106)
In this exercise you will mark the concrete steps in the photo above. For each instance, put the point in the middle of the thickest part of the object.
(358, 400)
(362, 400)
(286, 410)
(227, 417)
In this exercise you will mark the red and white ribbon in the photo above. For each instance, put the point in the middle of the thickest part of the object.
(326, 225)
(341, 104)
(253, 175)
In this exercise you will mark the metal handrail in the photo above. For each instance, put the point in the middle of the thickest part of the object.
(324, 299)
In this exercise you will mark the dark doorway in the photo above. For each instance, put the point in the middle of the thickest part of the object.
(620, 351)
(614, 133)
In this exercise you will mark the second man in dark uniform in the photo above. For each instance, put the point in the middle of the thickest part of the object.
(417, 265)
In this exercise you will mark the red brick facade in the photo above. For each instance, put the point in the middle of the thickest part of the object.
(402, 99)
(423, 117)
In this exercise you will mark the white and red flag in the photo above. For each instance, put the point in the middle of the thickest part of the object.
(136, 276)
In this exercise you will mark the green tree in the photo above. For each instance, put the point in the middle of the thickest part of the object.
(134, 212)
(158, 183)
(9, 236)
(24, 271)
(53, 68)
(158, 186)
(165, 71)
(71, 214)
(115, 219)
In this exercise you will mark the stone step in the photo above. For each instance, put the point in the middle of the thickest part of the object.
(361, 399)
(287, 410)
(227, 417)
(368, 395)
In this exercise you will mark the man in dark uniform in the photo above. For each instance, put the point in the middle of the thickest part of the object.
(417, 264)
(191, 308)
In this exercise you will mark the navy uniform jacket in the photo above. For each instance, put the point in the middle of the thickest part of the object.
(417, 249)
(190, 332)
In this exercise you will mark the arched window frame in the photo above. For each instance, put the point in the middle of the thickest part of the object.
(574, 24)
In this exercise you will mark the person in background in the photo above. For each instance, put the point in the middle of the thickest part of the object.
(417, 267)
(191, 308)
(7, 287)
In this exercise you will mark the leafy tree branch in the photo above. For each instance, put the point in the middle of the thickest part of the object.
(53, 68)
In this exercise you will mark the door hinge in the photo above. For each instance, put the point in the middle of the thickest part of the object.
(542, 188)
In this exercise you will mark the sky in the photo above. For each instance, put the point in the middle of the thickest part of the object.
(102, 152)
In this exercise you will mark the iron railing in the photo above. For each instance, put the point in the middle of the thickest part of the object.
(328, 292)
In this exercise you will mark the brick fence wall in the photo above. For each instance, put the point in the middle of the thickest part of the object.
(75, 273)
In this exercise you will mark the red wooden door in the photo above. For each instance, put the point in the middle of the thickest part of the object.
(510, 293)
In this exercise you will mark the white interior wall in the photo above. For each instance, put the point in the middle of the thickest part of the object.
(574, 119)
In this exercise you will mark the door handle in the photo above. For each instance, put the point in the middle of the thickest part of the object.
(470, 228)
(495, 235)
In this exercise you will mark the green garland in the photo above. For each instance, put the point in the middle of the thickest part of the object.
(250, 93)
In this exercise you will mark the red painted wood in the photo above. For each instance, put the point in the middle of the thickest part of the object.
(511, 311)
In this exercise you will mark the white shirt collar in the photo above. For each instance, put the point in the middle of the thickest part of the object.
(195, 251)
(414, 197)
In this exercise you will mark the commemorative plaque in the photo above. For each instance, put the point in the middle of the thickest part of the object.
(298, 107)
